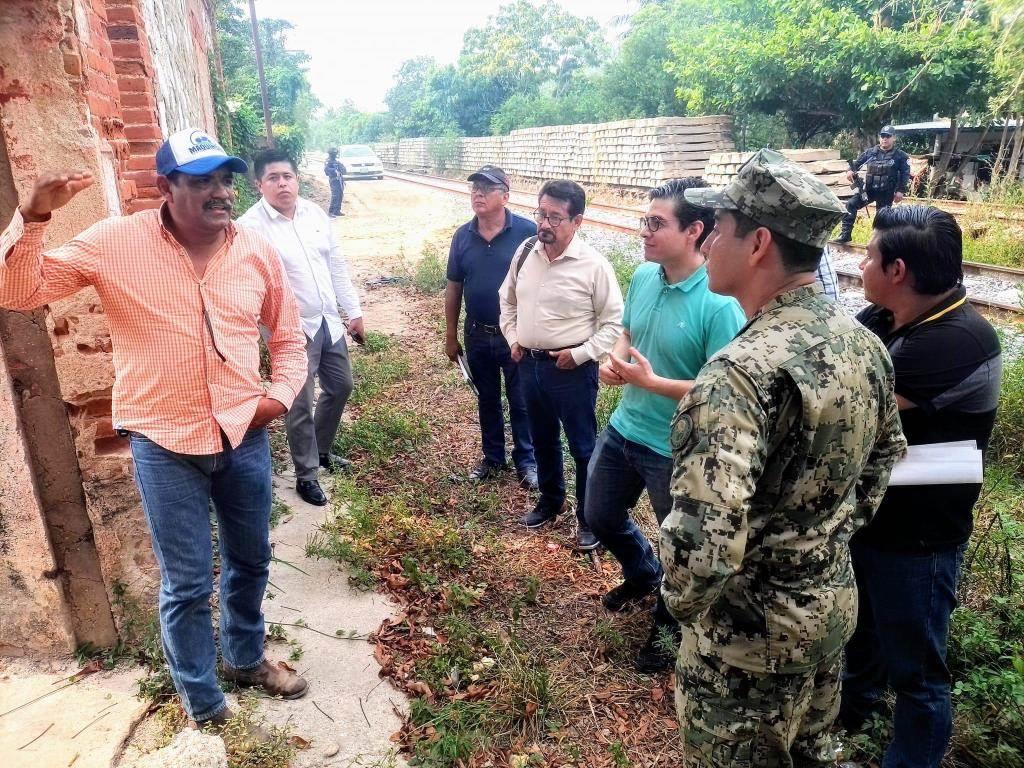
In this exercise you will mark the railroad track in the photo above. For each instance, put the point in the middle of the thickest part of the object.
(960, 207)
(849, 275)
(523, 200)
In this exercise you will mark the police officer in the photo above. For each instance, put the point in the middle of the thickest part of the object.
(782, 449)
(335, 172)
(888, 174)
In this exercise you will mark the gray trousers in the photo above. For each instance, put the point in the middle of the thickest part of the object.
(311, 431)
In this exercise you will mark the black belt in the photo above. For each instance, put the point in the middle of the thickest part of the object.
(493, 330)
(545, 354)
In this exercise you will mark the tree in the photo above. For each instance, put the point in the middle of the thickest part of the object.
(291, 100)
(636, 83)
(827, 64)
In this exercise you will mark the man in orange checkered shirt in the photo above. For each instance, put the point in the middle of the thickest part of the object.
(184, 292)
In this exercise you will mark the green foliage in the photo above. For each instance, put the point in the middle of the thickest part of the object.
(790, 71)
(382, 434)
(986, 655)
(376, 371)
(1008, 437)
(238, 101)
(537, 54)
(824, 64)
(430, 276)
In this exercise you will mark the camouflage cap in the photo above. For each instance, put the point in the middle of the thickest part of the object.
(780, 195)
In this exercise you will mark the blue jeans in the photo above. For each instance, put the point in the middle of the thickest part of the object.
(489, 357)
(619, 472)
(176, 491)
(900, 641)
(556, 400)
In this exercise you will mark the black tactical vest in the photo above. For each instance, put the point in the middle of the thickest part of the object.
(881, 171)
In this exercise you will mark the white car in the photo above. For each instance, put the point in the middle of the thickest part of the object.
(360, 162)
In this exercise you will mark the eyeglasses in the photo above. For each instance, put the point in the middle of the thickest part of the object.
(553, 218)
(485, 189)
(652, 223)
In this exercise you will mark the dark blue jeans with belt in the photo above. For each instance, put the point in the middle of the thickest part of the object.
(559, 399)
(489, 358)
(900, 642)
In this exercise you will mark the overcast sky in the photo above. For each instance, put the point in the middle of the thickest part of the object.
(356, 46)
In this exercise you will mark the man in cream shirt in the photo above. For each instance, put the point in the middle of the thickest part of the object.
(301, 233)
(561, 312)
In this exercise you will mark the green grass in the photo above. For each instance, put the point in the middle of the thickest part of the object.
(376, 367)
(986, 240)
(383, 433)
(986, 648)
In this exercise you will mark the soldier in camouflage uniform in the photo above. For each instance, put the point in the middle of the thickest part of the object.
(782, 449)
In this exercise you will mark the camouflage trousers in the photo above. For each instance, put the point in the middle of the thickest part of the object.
(733, 718)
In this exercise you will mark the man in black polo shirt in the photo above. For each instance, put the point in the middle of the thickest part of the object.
(478, 261)
(907, 559)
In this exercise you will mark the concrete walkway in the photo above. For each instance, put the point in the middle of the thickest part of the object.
(349, 710)
(81, 725)
(347, 716)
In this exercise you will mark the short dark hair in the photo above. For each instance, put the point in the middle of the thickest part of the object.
(566, 191)
(927, 240)
(263, 159)
(686, 212)
(796, 256)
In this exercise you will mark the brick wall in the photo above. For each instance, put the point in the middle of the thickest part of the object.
(136, 84)
(93, 85)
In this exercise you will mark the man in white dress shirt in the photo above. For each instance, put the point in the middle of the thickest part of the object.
(318, 273)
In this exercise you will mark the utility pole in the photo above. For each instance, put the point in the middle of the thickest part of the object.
(259, 68)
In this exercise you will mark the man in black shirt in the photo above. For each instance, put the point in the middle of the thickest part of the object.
(907, 559)
(888, 175)
(335, 173)
(481, 252)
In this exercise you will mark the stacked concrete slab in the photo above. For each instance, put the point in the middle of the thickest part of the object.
(823, 163)
(627, 153)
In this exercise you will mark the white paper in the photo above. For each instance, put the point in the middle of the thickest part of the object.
(466, 375)
(939, 464)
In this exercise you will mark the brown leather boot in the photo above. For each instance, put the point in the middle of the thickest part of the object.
(220, 722)
(276, 679)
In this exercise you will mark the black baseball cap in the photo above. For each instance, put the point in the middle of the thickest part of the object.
(491, 173)
(887, 130)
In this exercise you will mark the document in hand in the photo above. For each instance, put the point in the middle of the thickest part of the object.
(939, 464)
(466, 375)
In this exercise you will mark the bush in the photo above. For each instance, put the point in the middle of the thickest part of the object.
(431, 271)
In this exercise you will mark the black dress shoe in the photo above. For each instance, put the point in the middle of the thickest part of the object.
(311, 492)
(486, 470)
(619, 597)
(332, 462)
(528, 478)
(660, 651)
(541, 514)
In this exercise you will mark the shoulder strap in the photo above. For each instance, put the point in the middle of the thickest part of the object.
(524, 251)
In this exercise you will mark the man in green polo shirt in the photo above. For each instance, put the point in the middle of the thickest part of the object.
(673, 324)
